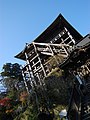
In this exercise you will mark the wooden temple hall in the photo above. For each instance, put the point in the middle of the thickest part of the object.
(54, 44)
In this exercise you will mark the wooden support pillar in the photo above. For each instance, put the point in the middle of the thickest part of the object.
(30, 70)
(26, 86)
(65, 50)
(71, 37)
(33, 80)
(39, 60)
(53, 54)
(30, 78)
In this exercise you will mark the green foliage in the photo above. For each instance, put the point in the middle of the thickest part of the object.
(12, 94)
(29, 114)
(57, 110)
(11, 75)
(55, 72)
(11, 70)
(57, 89)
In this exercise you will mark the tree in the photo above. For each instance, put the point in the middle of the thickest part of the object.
(57, 88)
(11, 75)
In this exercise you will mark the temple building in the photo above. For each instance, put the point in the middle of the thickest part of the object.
(53, 45)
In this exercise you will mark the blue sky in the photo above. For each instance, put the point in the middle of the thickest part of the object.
(21, 21)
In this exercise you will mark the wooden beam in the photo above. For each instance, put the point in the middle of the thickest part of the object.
(51, 44)
(35, 64)
(46, 53)
(34, 58)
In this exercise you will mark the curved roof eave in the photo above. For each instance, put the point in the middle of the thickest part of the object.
(58, 21)
(21, 55)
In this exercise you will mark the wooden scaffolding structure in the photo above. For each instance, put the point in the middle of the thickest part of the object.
(56, 43)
